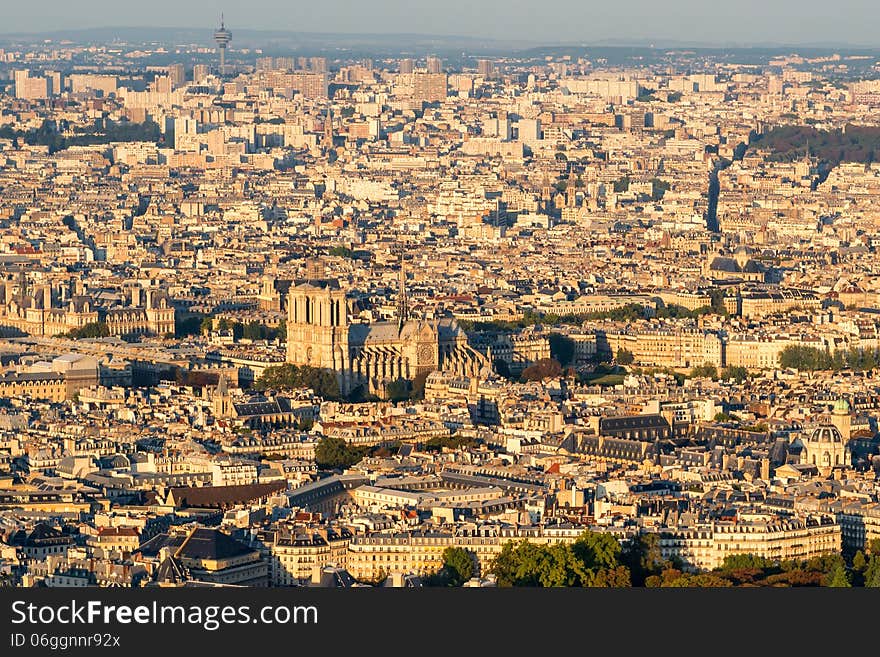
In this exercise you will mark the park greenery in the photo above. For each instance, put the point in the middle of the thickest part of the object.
(48, 134)
(437, 444)
(333, 453)
(850, 144)
(289, 376)
(458, 567)
(341, 251)
(598, 559)
(249, 331)
(546, 368)
(603, 374)
(813, 359)
(625, 357)
(92, 330)
(628, 313)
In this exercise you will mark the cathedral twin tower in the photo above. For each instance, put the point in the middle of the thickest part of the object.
(321, 333)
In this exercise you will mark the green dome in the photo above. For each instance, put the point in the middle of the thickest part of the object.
(841, 406)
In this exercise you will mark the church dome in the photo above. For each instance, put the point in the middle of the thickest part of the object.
(826, 433)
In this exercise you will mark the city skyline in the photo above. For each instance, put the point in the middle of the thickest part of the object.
(681, 22)
(280, 310)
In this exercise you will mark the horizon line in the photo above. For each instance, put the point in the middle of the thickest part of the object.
(648, 43)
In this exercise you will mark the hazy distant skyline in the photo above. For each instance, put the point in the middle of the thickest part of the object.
(689, 21)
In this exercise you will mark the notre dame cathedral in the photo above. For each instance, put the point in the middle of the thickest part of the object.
(322, 331)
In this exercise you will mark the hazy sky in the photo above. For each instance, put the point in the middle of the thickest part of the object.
(730, 21)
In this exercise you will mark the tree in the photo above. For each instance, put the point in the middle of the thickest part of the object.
(839, 578)
(705, 371)
(341, 251)
(658, 188)
(737, 373)
(805, 358)
(616, 578)
(621, 185)
(93, 330)
(625, 357)
(744, 561)
(333, 453)
(597, 550)
(698, 580)
(398, 390)
(458, 564)
(288, 376)
(859, 566)
(418, 386)
(546, 368)
(528, 564)
(254, 331)
(643, 557)
(592, 560)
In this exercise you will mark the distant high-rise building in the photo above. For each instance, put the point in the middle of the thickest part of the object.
(430, 87)
(265, 63)
(200, 72)
(310, 85)
(177, 74)
(54, 78)
(28, 88)
(162, 84)
(486, 67)
(529, 130)
(406, 66)
(222, 37)
(90, 83)
(435, 65)
(318, 64)
(184, 129)
(284, 63)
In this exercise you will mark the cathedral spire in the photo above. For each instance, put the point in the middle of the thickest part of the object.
(328, 129)
(402, 301)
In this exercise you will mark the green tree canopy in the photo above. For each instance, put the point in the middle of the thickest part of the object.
(333, 453)
(592, 560)
(93, 330)
(458, 564)
(705, 371)
(289, 376)
(625, 357)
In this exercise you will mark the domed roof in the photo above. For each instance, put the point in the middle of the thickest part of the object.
(826, 433)
(841, 406)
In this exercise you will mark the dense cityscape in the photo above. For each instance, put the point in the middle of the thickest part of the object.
(566, 317)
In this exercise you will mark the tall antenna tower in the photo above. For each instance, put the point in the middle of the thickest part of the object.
(222, 37)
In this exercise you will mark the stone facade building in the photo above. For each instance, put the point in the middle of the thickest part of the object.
(322, 332)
